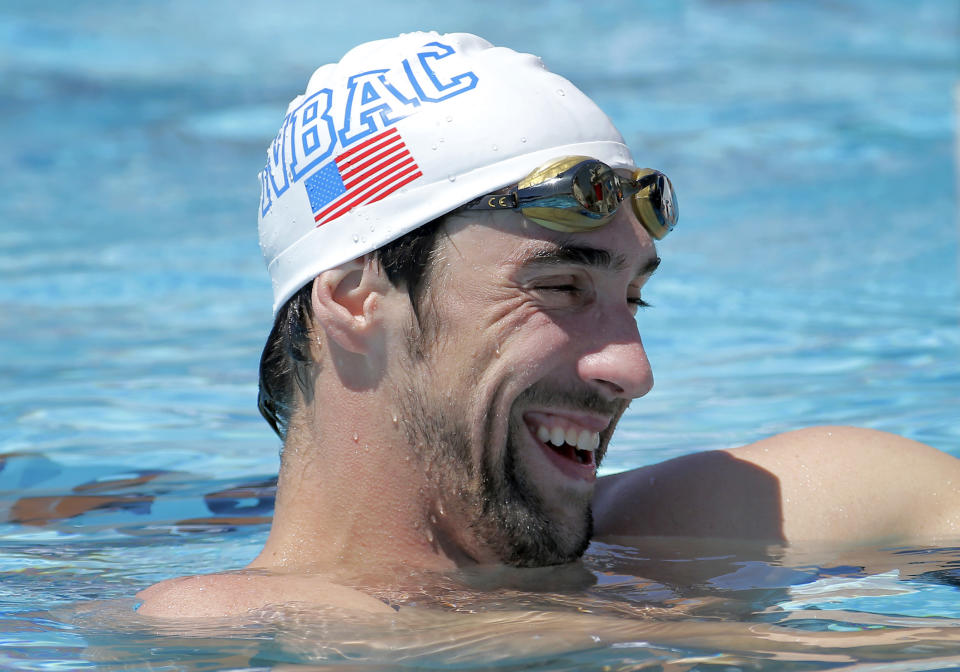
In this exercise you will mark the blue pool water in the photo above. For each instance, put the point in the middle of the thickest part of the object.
(813, 280)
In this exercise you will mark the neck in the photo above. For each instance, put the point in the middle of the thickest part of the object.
(353, 497)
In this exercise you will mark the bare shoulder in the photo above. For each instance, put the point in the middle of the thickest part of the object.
(841, 446)
(830, 484)
(847, 482)
(236, 593)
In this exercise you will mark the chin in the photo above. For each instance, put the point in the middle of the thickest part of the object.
(524, 529)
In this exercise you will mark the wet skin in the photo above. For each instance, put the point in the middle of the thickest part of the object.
(533, 330)
(536, 332)
(527, 332)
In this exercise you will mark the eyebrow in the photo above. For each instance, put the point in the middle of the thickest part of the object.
(582, 255)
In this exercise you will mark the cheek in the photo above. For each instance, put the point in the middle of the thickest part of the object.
(521, 322)
(474, 335)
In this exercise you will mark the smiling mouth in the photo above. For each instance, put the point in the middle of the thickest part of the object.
(579, 445)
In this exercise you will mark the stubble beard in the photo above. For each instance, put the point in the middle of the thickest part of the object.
(502, 508)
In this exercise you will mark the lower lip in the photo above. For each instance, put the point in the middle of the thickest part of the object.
(570, 468)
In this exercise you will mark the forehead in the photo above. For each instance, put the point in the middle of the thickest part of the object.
(505, 238)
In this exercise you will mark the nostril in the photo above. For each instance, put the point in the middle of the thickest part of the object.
(615, 389)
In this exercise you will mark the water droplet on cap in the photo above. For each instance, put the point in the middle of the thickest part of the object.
(449, 118)
(561, 92)
(356, 238)
(523, 139)
(433, 146)
(494, 147)
(452, 178)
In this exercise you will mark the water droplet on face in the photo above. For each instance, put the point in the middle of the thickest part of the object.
(496, 352)
(356, 437)
(429, 536)
(433, 519)
(395, 419)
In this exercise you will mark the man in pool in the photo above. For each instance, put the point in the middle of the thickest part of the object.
(458, 241)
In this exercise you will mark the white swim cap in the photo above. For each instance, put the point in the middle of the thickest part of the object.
(404, 130)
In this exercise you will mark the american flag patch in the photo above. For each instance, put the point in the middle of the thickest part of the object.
(372, 170)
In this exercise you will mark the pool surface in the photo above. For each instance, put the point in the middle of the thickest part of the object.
(813, 279)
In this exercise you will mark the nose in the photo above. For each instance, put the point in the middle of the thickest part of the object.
(616, 363)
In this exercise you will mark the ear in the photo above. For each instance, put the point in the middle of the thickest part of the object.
(345, 301)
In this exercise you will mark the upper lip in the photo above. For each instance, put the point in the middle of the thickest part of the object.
(585, 431)
(584, 420)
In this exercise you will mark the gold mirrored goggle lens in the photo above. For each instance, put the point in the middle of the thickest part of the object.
(577, 193)
(655, 203)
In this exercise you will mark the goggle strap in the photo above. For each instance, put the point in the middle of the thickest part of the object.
(494, 202)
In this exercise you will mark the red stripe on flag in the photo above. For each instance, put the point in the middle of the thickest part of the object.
(361, 198)
(348, 174)
(351, 196)
(366, 143)
(397, 186)
(346, 159)
(403, 158)
(372, 170)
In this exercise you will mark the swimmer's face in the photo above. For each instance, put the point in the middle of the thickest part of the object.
(536, 344)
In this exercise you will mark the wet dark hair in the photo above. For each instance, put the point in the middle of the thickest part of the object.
(286, 358)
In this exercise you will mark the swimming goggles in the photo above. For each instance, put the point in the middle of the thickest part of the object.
(577, 193)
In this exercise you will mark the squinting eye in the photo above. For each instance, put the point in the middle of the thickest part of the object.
(560, 292)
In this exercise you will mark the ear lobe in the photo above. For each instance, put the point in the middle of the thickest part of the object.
(345, 300)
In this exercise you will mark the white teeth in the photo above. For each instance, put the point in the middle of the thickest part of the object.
(588, 441)
(583, 440)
